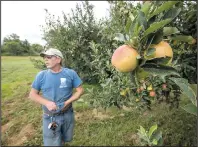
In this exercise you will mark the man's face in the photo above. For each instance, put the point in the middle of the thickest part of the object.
(51, 61)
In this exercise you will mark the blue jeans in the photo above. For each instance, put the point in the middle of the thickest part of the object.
(64, 131)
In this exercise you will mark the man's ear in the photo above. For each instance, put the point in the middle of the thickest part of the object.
(59, 59)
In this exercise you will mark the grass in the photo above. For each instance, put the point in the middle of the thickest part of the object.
(22, 119)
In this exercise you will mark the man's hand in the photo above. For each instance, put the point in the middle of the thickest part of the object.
(34, 95)
(74, 97)
(66, 105)
(51, 106)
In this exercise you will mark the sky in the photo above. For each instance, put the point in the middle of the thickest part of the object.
(25, 18)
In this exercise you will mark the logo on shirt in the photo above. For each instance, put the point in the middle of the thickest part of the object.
(63, 83)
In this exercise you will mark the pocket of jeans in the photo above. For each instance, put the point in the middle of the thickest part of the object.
(47, 132)
(69, 117)
(46, 116)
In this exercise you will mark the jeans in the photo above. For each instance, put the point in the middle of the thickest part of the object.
(64, 131)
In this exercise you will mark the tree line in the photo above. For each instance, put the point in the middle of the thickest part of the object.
(13, 46)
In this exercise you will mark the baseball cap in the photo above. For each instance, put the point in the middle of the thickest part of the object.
(52, 51)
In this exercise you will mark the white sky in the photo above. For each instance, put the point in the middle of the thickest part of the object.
(25, 17)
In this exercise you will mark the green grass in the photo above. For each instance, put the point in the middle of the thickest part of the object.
(111, 127)
(17, 74)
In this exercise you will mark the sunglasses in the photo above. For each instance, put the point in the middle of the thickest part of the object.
(48, 57)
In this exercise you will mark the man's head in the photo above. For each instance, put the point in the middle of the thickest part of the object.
(52, 57)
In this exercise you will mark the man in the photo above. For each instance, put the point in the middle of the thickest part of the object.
(56, 84)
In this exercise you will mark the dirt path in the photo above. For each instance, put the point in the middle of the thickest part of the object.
(26, 133)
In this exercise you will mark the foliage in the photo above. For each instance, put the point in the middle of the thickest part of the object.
(151, 137)
(39, 64)
(36, 48)
(148, 27)
(188, 91)
(166, 91)
(12, 45)
(185, 54)
(113, 92)
(120, 11)
(73, 37)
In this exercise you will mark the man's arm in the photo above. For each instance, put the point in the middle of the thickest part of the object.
(75, 96)
(34, 95)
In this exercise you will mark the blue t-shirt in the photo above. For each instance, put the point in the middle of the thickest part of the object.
(56, 87)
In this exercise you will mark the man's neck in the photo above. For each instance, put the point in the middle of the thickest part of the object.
(56, 69)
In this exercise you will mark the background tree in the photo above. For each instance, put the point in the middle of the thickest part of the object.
(73, 36)
(12, 45)
(36, 48)
(186, 54)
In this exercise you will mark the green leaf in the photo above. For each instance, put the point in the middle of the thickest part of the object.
(128, 25)
(172, 13)
(90, 90)
(157, 135)
(160, 142)
(151, 20)
(158, 37)
(152, 129)
(191, 14)
(120, 37)
(170, 30)
(132, 26)
(194, 88)
(161, 61)
(143, 137)
(145, 8)
(183, 38)
(185, 87)
(163, 7)
(141, 74)
(154, 142)
(132, 17)
(160, 70)
(142, 19)
(126, 37)
(155, 38)
(150, 51)
(142, 130)
(156, 26)
(164, 61)
(135, 30)
(138, 30)
(80, 100)
(190, 108)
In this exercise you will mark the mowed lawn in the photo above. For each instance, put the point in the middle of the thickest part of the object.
(21, 119)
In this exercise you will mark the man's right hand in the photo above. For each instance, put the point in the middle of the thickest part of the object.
(51, 106)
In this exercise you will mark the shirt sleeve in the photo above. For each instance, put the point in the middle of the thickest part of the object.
(76, 80)
(37, 82)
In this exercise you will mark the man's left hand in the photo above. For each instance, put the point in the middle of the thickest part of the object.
(66, 105)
